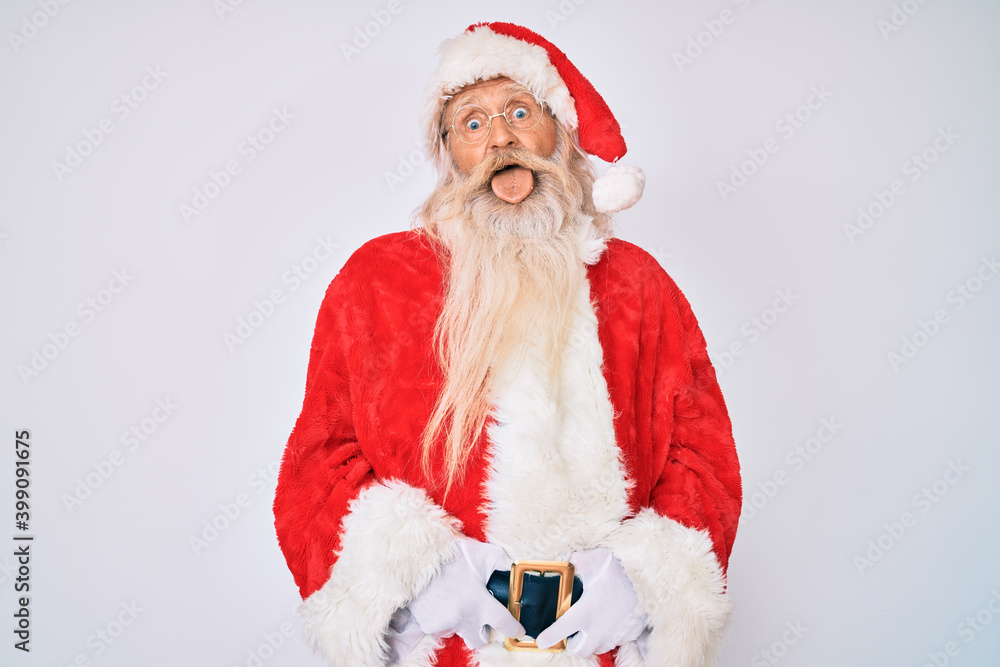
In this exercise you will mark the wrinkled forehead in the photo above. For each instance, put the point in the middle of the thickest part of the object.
(476, 93)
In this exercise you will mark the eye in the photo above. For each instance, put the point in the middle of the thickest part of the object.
(520, 113)
(471, 121)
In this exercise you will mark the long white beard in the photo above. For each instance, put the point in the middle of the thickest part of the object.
(516, 268)
(512, 274)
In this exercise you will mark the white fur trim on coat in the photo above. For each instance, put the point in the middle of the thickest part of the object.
(556, 484)
(681, 588)
(482, 54)
(394, 540)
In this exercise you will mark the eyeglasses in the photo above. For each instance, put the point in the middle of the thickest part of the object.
(471, 123)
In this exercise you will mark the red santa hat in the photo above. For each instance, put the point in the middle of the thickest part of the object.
(488, 50)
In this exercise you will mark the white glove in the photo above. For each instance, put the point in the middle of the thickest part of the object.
(456, 601)
(607, 613)
(402, 635)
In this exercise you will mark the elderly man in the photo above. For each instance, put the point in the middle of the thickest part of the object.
(512, 439)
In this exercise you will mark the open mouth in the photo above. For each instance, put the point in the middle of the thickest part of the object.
(512, 183)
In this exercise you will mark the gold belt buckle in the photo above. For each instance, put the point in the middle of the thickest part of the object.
(520, 567)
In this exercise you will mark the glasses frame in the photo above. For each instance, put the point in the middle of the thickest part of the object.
(489, 118)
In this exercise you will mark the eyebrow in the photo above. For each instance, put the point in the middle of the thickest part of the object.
(474, 97)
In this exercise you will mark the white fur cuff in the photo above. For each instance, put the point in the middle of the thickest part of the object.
(394, 540)
(680, 586)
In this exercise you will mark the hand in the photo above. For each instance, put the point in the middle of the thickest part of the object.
(456, 601)
(402, 635)
(607, 614)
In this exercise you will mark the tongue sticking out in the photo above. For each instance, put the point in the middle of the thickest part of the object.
(513, 184)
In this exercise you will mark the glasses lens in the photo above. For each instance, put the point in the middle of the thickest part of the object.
(523, 111)
(471, 123)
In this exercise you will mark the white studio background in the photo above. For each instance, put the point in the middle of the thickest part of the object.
(821, 183)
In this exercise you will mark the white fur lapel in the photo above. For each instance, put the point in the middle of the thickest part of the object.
(556, 483)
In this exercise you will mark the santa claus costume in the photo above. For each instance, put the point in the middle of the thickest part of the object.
(633, 450)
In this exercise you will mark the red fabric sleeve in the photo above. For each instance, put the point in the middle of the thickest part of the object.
(700, 483)
(687, 492)
(322, 469)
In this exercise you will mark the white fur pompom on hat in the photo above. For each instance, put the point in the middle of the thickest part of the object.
(619, 188)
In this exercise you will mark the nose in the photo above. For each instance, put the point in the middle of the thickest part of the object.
(501, 135)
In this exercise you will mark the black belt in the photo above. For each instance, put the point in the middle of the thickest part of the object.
(539, 598)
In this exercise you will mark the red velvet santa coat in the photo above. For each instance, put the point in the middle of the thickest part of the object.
(635, 453)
